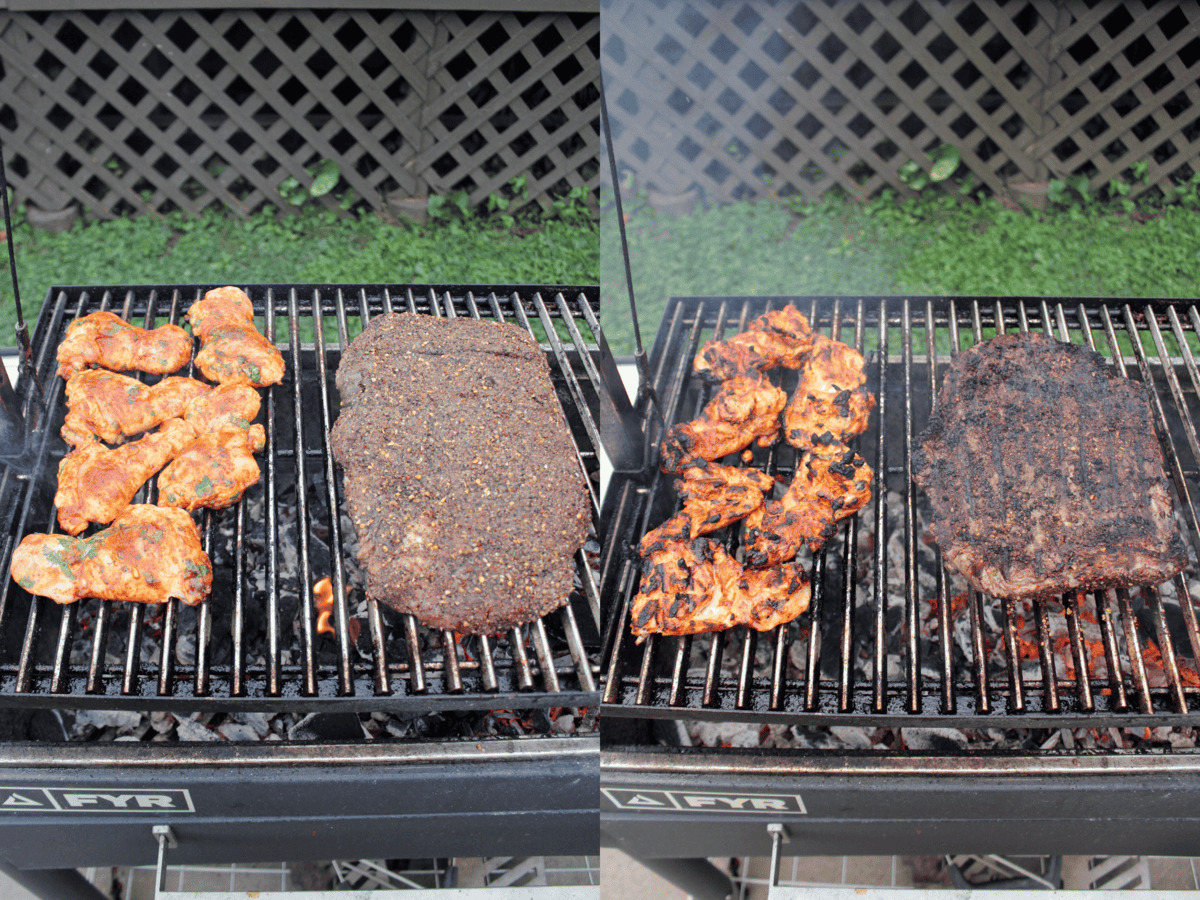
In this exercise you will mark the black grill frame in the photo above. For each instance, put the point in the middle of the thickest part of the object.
(650, 681)
(520, 679)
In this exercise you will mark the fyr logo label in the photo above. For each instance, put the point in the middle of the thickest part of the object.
(95, 800)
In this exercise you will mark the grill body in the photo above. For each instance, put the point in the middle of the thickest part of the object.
(870, 651)
(905, 804)
(252, 646)
(264, 802)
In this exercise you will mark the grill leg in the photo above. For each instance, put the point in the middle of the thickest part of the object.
(698, 878)
(53, 884)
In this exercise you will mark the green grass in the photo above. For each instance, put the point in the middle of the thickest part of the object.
(314, 246)
(929, 246)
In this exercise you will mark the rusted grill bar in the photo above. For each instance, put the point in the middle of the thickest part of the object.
(934, 652)
(254, 641)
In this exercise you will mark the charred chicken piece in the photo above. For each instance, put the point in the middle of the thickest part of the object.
(233, 351)
(781, 337)
(746, 408)
(147, 555)
(109, 407)
(212, 471)
(832, 483)
(692, 587)
(106, 340)
(777, 595)
(830, 403)
(714, 496)
(96, 483)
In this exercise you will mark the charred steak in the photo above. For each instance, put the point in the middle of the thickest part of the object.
(460, 474)
(1044, 472)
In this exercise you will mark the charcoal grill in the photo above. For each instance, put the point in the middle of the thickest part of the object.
(871, 651)
(253, 645)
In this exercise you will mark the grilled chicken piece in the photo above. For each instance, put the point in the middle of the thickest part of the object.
(781, 337)
(691, 587)
(214, 470)
(96, 483)
(147, 555)
(106, 340)
(832, 483)
(107, 406)
(830, 399)
(233, 351)
(714, 496)
(746, 408)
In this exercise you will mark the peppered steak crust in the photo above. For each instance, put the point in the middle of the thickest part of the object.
(460, 474)
(1044, 472)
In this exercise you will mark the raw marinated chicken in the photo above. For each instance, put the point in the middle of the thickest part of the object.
(233, 351)
(109, 407)
(212, 471)
(746, 408)
(781, 337)
(832, 483)
(830, 399)
(147, 555)
(106, 340)
(225, 406)
(691, 587)
(96, 483)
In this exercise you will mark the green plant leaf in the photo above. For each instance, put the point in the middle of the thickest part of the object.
(1118, 188)
(291, 191)
(918, 181)
(325, 176)
(908, 170)
(437, 207)
(1141, 170)
(948, 159)
(1079, 183)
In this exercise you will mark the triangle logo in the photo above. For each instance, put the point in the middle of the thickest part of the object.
(639, 800)
(20, 800)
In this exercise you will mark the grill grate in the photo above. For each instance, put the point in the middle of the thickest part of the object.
(871, 649)
(253, 644)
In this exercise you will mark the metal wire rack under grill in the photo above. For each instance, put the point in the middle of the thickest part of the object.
(891, 636)
(253, 644)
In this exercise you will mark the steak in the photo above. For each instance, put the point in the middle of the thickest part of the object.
(461, 477)
(1044, 473)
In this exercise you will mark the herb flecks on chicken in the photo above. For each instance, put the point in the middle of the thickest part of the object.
(213, 471)
(830, 400)
(147, 555)
(233, 351)
(110, 407)
(106, 340)
(745, 409)
(779, 338)
(96, 483)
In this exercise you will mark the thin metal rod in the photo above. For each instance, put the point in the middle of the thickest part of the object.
(945, 635)
(1112, 656)
(912, 603)
(304, 587)
(1072, 603)
(1134, 647)
(1046, 655)
(712, 674)
(616, 183)
(274, 683)
(374, 616)
(812, 667)
(879, 671)
(340, 611)
(745, 683)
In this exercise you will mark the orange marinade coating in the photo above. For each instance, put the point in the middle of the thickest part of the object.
(106, 340)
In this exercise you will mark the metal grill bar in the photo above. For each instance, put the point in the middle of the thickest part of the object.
(1157, 627)
(291, 670)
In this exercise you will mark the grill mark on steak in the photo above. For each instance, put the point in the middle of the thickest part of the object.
(460, 473)
(1045, 474)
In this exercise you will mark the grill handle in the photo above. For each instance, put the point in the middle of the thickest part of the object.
(646, 398)
(13, 432)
